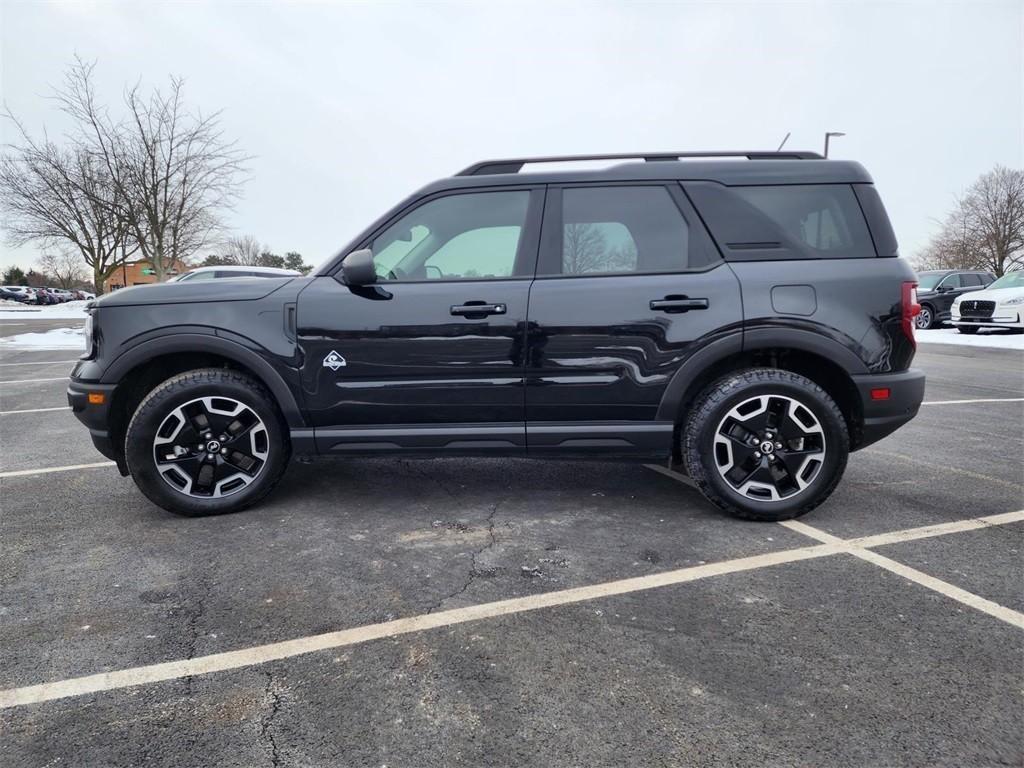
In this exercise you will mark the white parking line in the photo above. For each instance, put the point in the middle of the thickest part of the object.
(1010, 616)
(979, 400)
(33, 381)
(41, 362)
(219, 662)
(48, 470)
(37, 410)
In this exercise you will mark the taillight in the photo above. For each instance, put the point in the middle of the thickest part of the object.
(908, 298)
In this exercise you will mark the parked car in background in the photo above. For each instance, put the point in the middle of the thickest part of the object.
(937, 289)
(210, 273)
(1000, 305)
(80, 295)
(21, 293)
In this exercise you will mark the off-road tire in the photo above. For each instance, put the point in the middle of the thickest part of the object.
(711, 406)
(185, 387)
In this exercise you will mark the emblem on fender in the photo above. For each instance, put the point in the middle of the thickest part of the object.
(334, 361)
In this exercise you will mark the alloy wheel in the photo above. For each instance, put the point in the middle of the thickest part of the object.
(924, 318)
(769, 447)
(211, 447)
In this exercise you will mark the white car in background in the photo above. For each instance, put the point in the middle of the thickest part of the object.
(210, 273)
(1000, 305)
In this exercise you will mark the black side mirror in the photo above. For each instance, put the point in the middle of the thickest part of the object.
(357, 268)
(945, 288)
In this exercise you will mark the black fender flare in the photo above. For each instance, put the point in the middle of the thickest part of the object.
(205, 342)
(750, 340)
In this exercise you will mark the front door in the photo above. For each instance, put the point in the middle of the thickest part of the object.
(431, 356)
(628, 286)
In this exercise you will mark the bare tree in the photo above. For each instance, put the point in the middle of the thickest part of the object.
(172, 170)
(65, 266)
(243, 250)
(60, 197)
(986, 228)
(584, 249)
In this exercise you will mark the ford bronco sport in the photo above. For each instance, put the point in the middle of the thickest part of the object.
(745, 315)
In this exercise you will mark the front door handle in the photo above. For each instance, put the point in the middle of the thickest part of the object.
(474, 310)
(673, 304)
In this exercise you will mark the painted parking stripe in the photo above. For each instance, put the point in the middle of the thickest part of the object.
(42, 362)
(927, 531)
(37, 410)
(219, 662)
(48, 470)
(979, 400)
(1010, 616)
(33, 381)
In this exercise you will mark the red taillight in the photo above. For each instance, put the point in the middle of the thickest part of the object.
(911, 309)
(880, 393)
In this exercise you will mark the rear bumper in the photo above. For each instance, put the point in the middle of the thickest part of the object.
(883, 417)
(96, 416)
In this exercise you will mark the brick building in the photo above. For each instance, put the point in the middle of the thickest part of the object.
(137, 273)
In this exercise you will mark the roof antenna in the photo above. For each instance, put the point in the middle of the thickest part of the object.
(783, 142)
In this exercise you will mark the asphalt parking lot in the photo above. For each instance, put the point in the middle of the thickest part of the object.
(518, 613)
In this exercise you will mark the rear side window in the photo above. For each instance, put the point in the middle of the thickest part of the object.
(817, 221)
(619, 230)
(971, 280)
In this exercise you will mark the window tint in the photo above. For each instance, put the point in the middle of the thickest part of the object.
(458, 237)
(622, 229)
(951, 281)
(971, 281)
(825, 218)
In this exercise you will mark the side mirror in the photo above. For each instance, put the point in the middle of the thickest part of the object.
(357, 268)
(945, 288)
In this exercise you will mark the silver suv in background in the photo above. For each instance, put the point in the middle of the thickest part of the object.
(210, 273)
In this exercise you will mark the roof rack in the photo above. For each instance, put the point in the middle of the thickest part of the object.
(515, 165)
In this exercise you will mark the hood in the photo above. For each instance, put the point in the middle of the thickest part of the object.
(998, 295)
(220, 289)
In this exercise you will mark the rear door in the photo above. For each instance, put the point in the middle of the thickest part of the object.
(431, 356)
(628, 286)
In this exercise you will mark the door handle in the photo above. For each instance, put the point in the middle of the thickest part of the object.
(477, 309)
(673, 304)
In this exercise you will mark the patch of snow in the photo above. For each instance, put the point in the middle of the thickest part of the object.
(994, 338)
(58, 338)
(72, 310)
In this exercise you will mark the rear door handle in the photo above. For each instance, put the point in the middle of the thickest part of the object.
(478, 309)
(678, 304)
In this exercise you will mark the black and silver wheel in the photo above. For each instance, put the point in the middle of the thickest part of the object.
(924, 318)
(765, 444)
(206, 442)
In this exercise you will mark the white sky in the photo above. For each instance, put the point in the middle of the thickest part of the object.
(350, 107)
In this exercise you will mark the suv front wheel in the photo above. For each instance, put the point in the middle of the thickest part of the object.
(206, 442)
(765, 444)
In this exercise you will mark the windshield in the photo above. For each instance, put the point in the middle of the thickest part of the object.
(1011, 280)
(926, 281)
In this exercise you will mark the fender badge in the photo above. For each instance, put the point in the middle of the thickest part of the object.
(334, 361)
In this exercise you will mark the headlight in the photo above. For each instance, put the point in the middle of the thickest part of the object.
(88, 333)
(1013, 302)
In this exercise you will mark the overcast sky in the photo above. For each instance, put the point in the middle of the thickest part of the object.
(350, 107)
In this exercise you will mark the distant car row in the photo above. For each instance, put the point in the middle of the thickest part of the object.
(46, 295)
(970, 300)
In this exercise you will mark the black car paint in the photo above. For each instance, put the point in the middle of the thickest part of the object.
(574, 366)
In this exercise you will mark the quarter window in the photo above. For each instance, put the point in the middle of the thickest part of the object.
(622, 229)
(458, 237)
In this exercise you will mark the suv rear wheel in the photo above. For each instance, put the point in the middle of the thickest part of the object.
(925, 317)
(765, 444)
(206, 442)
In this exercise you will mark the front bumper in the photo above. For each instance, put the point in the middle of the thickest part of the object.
(96, 416)
(883, 417)
(1002, 317)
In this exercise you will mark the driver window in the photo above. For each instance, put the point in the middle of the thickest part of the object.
(458, 237)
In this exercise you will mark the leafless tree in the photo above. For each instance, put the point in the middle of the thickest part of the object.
(172, 170)
(986, 228)
(244, 250)
(60, 198)
(584, 249)
(65, 266)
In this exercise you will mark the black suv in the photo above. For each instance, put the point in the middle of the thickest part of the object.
(938, 288)
(746, 317)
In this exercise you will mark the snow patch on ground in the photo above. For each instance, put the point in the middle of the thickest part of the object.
(991, 338)
(72, 310)
(58, 338)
